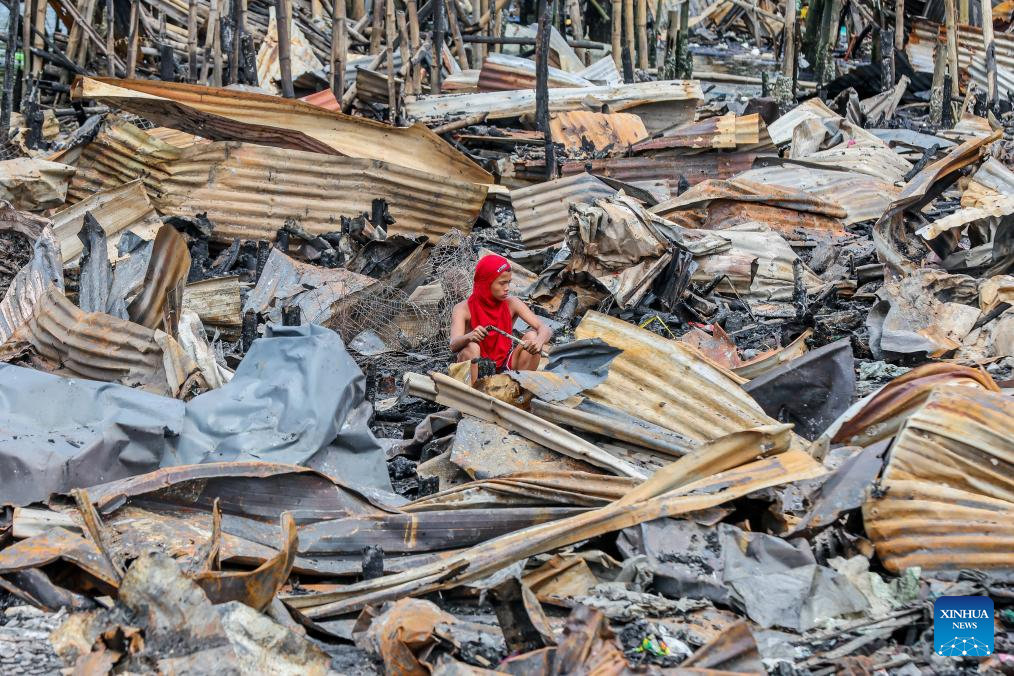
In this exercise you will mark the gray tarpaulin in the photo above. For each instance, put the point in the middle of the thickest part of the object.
(297, 398)
(61, 433)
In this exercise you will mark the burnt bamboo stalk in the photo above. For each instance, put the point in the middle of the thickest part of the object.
(685, 60)
(216, 46)
(209, 40)
(132, 41)
(542, 86)
(413, 41)
(74, 37)
(459, 46)
(239, 27)
(284, 9)
(28, 11)
(376, 25)
(404, 47)
(339, 48)
(497, 30)
(789, 39)
(437, 74)
(477, 50)
(952, 45)
(628, 28)
(192, 74)
(110, 38)
(642, 34)
(577, 24)
(7, 104)
(616, 32)
(988, 41)
(38, 36)
(359, 12)
(899, 24)
(392, 74)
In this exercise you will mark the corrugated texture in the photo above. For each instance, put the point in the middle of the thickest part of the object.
(371, 86)
(98, 346)
(499, 105)
(727, 131)
(30, 283)
(325, 99)
(167, 269)
(503, 72)
(225, 114)
(742, 190)
(175, 137)
(864, 197)
(118, 209)
(695, 168)
(669, 383)
(925, 35)
(603, 130)
(543, 210)
(602, 72)
(781, 129)
(248, 191)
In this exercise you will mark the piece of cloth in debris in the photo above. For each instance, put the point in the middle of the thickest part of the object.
(62, 433)
(775, 581)
(485, 310)
(298, 398)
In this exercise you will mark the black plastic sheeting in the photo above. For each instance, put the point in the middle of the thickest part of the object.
(297, 398)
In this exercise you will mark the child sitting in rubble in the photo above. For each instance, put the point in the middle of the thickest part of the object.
(491, 305)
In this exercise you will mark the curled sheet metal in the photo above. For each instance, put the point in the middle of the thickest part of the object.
(543, 209)
(572, 369)
(946, 499)
(125, 208)
(229, 115)
(45, 269)
(168, 268)
(614, 131)
(725, 131)
(693, 168)
(503, 72)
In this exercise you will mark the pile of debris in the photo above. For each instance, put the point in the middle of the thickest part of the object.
(774, 425)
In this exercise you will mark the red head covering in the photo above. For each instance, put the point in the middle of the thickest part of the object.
(488, 311)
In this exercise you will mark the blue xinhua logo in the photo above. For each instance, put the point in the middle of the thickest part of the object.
(963, 626)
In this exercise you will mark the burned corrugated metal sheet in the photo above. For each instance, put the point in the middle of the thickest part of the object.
(947, 495)
(578, 128)
(98, 346)
(925, 37)
(726, 131)
(167, 269)
(248, 190)
(119, 209)
(543, 210)
(503, 72)
(227, 115)
(499, 105)
(371, 86)
(325, 99)
(31, 282)
(175, 137)
(529, 489)
(669, 383)
(694, 168)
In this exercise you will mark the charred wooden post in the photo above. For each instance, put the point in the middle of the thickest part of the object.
(497, 30)
(392, 87)
(192, 74)
(542, 86)
(628, 64)
(887, 70)
(936, 105)
(284, 47)
(899, 25)
(476, 50)
(947, 111)
(358, 10)
(238, 30)
(437, 75)
(218, 78)
(684, 60)
(376, 25)
(789, 39)
(248, 334)
(413, 41)
(459, 46)
(38, 38)
(642, 34)
(989, 42)
(667, 62)
(616, 32)
(210, 36)
(577, 25)
(406, 54)
(7, 104)
(110, 39)
(952, 47)
(339, 48)
(26, 39)
(827, 41)
(628, 35)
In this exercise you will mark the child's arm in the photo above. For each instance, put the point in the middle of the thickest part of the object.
(459, 323)
(543, 332)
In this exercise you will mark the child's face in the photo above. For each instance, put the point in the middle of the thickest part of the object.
(501, 286)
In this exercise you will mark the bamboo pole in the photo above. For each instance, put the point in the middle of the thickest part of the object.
(963, 12)
(478, 51)
(284, 47)
(339, 48)
(789, 39)
(7, 105)
(28, 12)
(74, 39)
(628, 28)
(497, 30)
(132, 40)
(209, 39)
(952, 46)
(542, 86)
(577, 25)
(316, 9)
(216, 46)
(192, 74)
(413, 40)
(642, 34)
(392, 85)
(376, 25)
(437, 75)
(988, 40)
(616, 31)
(358, 12)
(899, 24)
(110, 38)
(239, 28)
(404, 47)
(459, 46)
(38, 39)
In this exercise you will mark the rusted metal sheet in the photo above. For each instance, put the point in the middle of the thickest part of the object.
(43, 270)
(669, 383)
(577, 128)
(258, 490)
(117, 210)
(371, 86)
(98, 346)
(500, 105)
(726, 131)
(323, 99)
(543, 210)
(59, 544)
(167, 269)
(175, 137)
(34, 184)
(503, 72)
(247, 190)
(925, 37)
(484, 450)
(695, 168)
(947, 498)
(733, 651)
(773, 359)
(255, 588)
(227, 115)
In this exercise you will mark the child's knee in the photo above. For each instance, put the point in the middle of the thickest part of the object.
(469, 352)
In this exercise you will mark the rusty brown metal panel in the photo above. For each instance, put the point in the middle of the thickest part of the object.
(615, 131)
(503, 72)
(543, 210)
(695, 168)
(226, 115)
(168, 267)
(727, 131)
